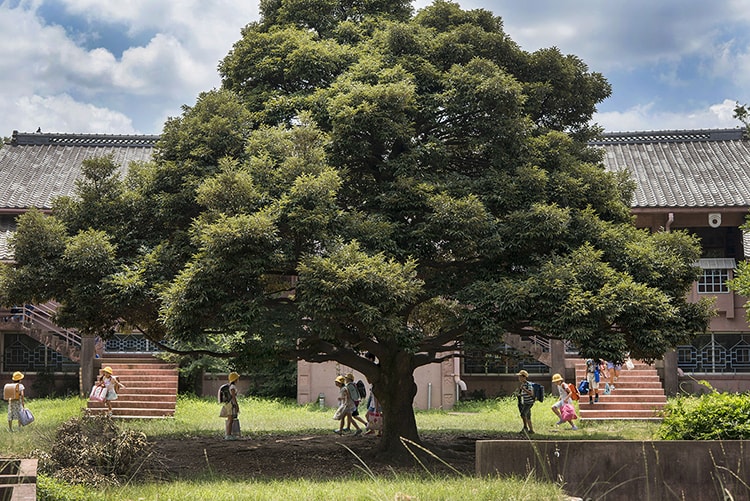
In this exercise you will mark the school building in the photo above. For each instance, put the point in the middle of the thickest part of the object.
(698, 180)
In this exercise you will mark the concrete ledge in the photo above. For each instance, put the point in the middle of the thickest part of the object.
(18, 479)
(614, 470)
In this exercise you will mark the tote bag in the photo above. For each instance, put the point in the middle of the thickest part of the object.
(340, 412)
(26, 417)
(226, 409)
(236, 428)
(98, 393)
(374, 420)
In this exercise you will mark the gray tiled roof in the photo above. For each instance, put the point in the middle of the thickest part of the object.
(673, 169)
(35, 168)
(6, 230)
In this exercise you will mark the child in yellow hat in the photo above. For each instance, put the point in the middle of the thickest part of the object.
(16, 401)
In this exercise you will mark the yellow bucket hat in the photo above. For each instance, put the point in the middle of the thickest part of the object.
(233, 376)
(17, 376)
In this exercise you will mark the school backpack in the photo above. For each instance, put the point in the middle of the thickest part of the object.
(10, 392)
(583, 387)
(362, 390)
(538, 391)
(224, 394)
(573, 392)
(353, 391)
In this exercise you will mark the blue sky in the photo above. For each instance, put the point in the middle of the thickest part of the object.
(118, 67)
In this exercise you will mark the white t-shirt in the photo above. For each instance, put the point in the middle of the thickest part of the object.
(564, 395)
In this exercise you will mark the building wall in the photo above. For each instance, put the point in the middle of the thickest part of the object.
(436, 387)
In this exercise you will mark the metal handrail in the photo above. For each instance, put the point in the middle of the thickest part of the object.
(42, 314)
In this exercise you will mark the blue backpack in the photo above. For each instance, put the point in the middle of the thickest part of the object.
(538, 391)
(583, 387)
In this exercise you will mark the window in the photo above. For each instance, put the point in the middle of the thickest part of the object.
(504, 359)
(727, 353)
(713, 281)
(716, 272)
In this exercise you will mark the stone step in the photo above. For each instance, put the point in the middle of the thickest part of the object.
(132, 412)
(147, 390)
(143, 371)
(621, 414)
(137, 404)
(638, 394)
(150, 388)
(141, 379)
(140, 397)
(633, 386)
(616, 406)
(140, 366)
(620, 398)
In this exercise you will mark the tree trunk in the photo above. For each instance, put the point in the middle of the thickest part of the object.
(395, 391)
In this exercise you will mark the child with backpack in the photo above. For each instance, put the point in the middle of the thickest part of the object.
(526, 399)
(13, 393)
(356, 397)
(230, 409)
(592, 377)
(563, 408)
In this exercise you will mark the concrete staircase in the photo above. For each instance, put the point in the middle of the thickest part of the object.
(638, 394)
(37, 322)
(531, 345)
(150, 388)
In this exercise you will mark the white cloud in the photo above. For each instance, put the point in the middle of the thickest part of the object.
(698, 49)
(68, 115)
(208, 27)
(41, 62)
(646, 117)
(164, 65)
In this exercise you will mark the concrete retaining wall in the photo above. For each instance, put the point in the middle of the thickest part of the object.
(18, 479)
(626, 470)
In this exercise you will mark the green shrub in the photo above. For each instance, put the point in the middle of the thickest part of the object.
(712, 416)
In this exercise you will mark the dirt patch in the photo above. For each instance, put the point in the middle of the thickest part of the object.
(306, 456)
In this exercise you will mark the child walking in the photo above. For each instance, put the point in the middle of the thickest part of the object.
(113, 385)
(565, 399)
(15, 401)
(525, 395)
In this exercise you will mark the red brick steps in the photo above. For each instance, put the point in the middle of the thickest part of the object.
(638, 394)
(150, 388)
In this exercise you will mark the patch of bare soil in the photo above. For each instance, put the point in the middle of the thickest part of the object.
(308, 456)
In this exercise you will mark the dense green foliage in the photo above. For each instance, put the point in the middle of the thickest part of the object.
(711, 416)
(368, 180)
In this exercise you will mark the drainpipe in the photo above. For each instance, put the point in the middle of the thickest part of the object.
(670, 220)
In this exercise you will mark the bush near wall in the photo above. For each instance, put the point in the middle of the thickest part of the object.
(711, 416)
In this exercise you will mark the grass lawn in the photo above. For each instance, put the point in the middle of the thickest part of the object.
(198, 417)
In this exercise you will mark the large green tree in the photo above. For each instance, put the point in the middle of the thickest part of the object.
(368, 179)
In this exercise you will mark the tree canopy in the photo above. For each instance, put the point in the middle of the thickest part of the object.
(369, 179)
